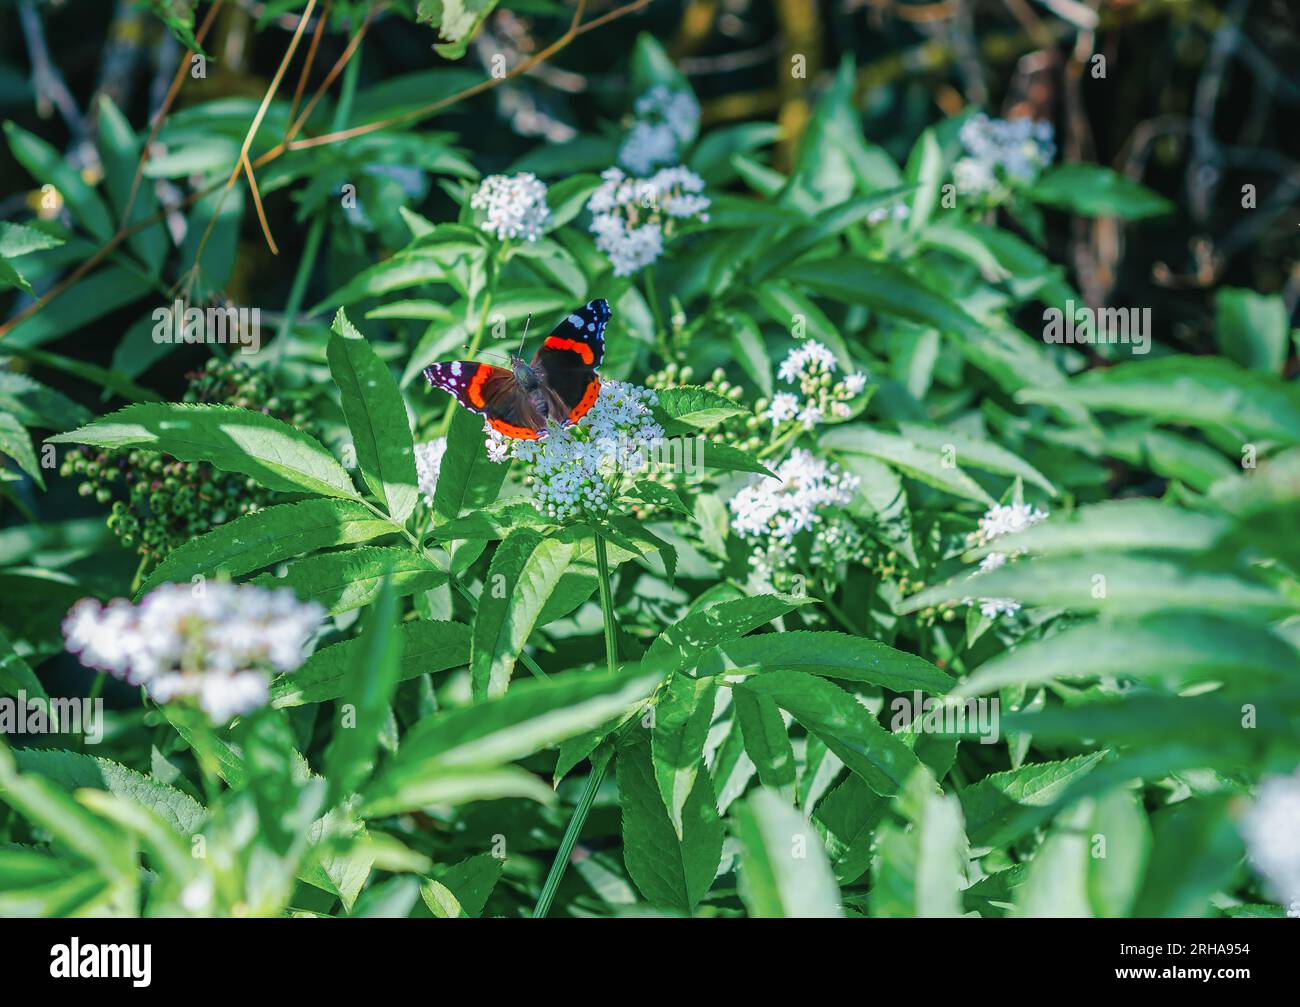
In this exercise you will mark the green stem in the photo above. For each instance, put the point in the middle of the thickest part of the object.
(606, 604)
(580, 812)
(588, 796)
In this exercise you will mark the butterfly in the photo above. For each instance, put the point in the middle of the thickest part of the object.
(560, 385)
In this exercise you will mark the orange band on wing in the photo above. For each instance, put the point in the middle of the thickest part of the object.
(510, 430)
(588, 400)
(560, 343)
(475, 389)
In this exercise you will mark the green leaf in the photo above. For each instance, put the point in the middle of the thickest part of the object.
(471, 882)
(17, 239)
(120, 149)
(376, 418)
(1251, 328)
(681, 645)
(70, 825)
(1120, 845)
(467, 479)
(426, 647)
(976, 454)
(728, 459)
(1199, 391)
(367, 688)
(75, 771)
(1137, 524)
(35, 405)
(847, 818)
(921, 868)
(531, 716)
(48, 167)
(268, 536)
(1056, 883)
(457, 22)
(926, 464)
(1109, 582)
(16, 442)
(767, 742)
(16, 674)
(846, 727)
(836, 655)
(1000, 807)
(1091, 190)
(1171, 649)
(350, 578)
(681, 727)
(275, 454)
(883, 288)
(1199, 849)
(524, 573)
(672, 873)
(784, 873)
(696, 406)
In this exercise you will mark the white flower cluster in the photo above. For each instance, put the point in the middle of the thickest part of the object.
(806, 497)
(805, 485)
(217, 644)
(810, 366)
(514, 206)
(577, 470)
(998, 150)
(1000, 520)
(632, 217)
(666, 120)
(428, 463)
(899, 211)
(1271, 829)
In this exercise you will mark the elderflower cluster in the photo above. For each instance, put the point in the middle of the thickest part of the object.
(805, 498)
(998, 151)
(666, 121)
(1271, 829)
(217, 644)
(998, 521)
(577, 470)
(631, 218)
(428, 463)
(809, 366)
(514, 206)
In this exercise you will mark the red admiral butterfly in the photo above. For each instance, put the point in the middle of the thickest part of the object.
(560, 384)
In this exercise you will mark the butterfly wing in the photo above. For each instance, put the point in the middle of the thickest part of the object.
(569, 356)
(492, 392)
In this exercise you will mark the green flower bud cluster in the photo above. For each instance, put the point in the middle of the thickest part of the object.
(158, 502)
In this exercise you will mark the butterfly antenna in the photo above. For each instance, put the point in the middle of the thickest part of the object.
(527, 322)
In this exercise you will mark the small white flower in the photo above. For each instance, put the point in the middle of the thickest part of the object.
(1013, 149)
(577, 470)
(808, 358)
(632, 217)
(514, 206)
(218, 646)
(781, 509)
(666, 121)
(855, 383)
(785, 406)
(428, 463)
(1271, 829)
(998, 521)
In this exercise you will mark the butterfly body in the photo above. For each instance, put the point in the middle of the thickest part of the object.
(560, 385)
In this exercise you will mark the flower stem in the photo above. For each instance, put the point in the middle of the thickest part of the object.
(598, 765)
(606, 604)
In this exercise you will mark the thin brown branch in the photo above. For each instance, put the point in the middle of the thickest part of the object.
(311, 58)
(257, 204)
